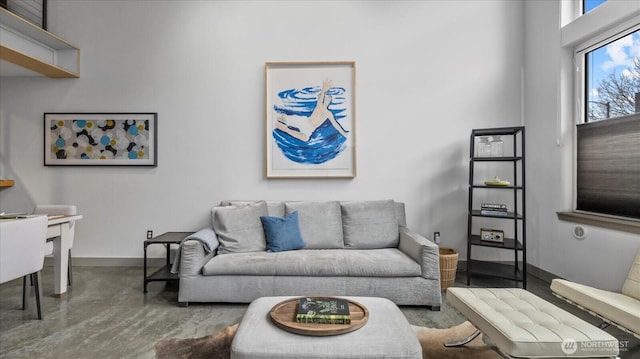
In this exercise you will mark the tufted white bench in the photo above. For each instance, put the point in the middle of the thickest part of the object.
(523, 325)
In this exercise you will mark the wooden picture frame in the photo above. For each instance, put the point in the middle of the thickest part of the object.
(101, 139)
(310, 119)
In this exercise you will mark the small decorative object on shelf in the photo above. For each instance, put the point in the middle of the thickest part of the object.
(323, 311)
(497, 146)
(507, 161)
(492, 235)
(484, 147)
(496, 181)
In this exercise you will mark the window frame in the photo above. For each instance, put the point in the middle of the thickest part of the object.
(581, 34)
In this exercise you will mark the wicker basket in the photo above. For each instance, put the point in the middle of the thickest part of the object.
(448, 266)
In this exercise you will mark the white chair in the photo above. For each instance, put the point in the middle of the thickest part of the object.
(620, 308)
(22, 250)
(59, 209)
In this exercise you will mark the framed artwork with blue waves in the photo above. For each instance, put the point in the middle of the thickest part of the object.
(100, 139)
(310, 119)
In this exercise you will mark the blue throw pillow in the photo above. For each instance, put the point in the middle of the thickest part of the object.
(282, 234)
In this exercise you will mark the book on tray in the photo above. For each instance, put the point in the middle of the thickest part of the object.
(323, 311)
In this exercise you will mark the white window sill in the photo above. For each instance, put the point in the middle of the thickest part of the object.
(618, 224)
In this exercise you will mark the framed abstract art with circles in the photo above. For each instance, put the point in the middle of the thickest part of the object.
(100, 139)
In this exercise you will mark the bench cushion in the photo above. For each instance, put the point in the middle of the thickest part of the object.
(387, 262)
(522, 324)
(616, 307)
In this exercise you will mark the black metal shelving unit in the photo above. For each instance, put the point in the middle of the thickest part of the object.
(515, 270)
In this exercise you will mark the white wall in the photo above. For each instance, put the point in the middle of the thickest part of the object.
(605, 256)
(427, 73)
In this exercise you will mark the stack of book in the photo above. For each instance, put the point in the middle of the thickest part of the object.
(323, 311)
(493, 209)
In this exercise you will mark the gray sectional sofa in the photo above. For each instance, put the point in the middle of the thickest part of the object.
(355, 248)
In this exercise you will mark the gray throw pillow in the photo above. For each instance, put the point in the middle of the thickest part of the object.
(239, 228)
(370, 224)
(320, 223)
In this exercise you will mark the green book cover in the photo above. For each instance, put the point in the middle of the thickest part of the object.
(323, 320)
(318, 310)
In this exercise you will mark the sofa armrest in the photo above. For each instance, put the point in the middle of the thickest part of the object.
(193, 258)
(423, 251)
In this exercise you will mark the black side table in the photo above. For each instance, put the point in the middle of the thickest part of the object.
(164, 273)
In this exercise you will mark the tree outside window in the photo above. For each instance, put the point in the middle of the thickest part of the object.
(613, 79)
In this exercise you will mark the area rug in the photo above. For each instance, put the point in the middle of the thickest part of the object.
(218, 346)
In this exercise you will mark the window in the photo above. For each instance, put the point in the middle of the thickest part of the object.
(613, 78)
(608, 117)
(588, 5)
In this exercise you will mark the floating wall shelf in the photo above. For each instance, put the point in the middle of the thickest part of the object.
(29, 47)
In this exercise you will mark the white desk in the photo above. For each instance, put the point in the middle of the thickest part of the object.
(59, 231)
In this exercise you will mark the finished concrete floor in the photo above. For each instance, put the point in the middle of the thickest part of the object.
(106, 315)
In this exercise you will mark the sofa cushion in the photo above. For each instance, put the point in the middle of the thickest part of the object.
(282, 234)
(239, 228)
(370, 224)
(274, 208)
(631, 286)
(387, 262)
(320, 223)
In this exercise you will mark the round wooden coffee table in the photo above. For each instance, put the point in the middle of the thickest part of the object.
(284, 313)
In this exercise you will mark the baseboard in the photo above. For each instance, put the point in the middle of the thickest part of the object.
(111, 262)
(541, 273)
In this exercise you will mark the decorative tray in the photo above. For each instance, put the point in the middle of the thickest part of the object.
(284, 313)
